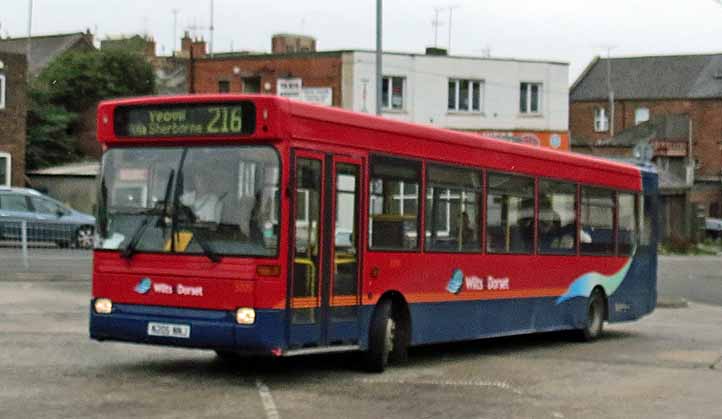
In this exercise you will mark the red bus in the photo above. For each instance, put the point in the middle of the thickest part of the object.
(260, 225)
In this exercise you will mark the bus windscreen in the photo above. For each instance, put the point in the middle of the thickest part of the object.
(183, 120)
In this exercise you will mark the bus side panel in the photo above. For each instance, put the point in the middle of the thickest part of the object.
(493, 295)
(637, 295)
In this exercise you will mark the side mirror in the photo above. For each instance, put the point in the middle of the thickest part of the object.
(60, 212)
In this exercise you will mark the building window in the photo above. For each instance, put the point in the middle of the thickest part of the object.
(5, 169)
(530, 98)
(224, 86)
(2, 91)
(465, 95)
(641, 115)
(393, 93)
(601, 120)
(251, 84)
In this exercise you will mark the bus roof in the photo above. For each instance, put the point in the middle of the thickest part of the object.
(361, 126)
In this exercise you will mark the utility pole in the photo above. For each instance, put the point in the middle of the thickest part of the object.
(451, 11)
(28, 44)
(175, 29)
(212, 29)
(379, 55)
(610, 90)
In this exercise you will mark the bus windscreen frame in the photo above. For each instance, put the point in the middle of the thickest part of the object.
(185, 120)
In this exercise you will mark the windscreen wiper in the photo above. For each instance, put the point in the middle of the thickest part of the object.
(138, 233)
(135, 238)
(207, 249)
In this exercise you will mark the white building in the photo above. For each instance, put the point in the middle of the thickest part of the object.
(524, 100)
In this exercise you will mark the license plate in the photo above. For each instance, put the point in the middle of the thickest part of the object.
(169, 330)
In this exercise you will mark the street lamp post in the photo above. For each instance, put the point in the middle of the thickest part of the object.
(379, 54)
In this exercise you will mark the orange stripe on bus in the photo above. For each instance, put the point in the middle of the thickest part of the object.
(304, 302)
(350, 300)
(433, 297)
(438, 297)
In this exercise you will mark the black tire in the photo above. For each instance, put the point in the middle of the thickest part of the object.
(84, 237)
(387, 338)
(594, 321)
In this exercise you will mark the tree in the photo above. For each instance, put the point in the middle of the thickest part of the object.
(73, 84)
(48, 125)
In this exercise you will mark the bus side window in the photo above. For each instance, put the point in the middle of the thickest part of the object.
(557, 217)
(597, 223)
(453, 209)
(627, 235)
(510, 214)
(646, 206)
(394, 204)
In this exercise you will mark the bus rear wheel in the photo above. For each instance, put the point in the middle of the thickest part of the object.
(386, 338)
(594, 322)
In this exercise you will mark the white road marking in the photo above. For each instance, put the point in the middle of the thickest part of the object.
(267, 399)
(472, 383)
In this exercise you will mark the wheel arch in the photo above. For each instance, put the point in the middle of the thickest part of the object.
(606, 300)
(401, 311)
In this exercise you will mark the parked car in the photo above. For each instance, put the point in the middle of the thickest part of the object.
(47, 219)
(713, 226)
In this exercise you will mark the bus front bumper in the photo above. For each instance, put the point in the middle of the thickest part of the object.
(206, 329)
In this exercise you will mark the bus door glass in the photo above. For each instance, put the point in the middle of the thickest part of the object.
(323, 287)
(344, 270)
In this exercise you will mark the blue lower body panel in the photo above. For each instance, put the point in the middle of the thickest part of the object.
(209, 329)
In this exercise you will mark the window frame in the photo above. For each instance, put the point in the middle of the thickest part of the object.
(615, 220)
(28, 204)
(601, 119)
(637, 120)
(3, 90)
(226, 85)
(534, 180)
(421, 196)
(636, 232)
(577, 217)
(388, 96)
(528, 98)
(457, 98)
(481, 218)
(8, 168)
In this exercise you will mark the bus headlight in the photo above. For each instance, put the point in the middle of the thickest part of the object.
(103, 306)
(245, 316)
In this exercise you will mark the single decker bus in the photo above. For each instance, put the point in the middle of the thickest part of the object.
(252, 224)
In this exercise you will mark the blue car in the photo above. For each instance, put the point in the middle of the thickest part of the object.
(47, 219)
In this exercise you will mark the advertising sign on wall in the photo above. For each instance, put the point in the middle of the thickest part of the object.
(318, 95)
(554, 140)
(292, 88)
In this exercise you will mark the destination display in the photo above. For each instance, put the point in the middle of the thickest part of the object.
(183, 120)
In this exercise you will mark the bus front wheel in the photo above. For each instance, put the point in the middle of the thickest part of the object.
(594, 322)
(385, 338)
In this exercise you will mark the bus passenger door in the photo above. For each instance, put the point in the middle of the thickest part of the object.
(324, 282)
(344, 255)
(307, 250)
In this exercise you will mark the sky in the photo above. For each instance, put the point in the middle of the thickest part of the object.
(572, 31)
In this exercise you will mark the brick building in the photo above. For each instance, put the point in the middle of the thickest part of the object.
(648, 87)
(13, 112)
(518, 100)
